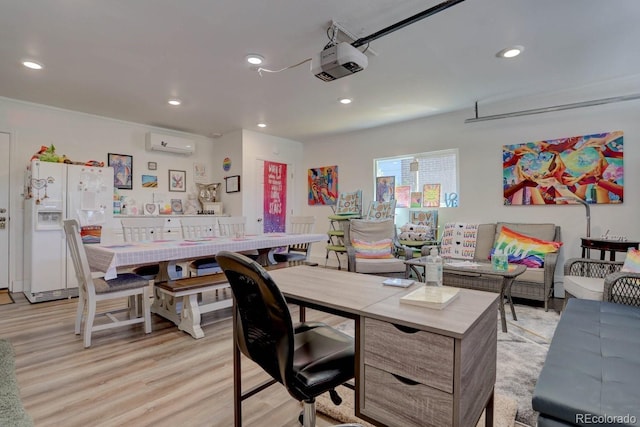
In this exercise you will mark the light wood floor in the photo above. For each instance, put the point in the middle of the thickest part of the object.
(128, 378)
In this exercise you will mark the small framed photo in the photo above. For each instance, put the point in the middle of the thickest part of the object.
(122, 165)
(177, 180)
(149, 181)
(176, 206)
(152, 166)
(232, 183)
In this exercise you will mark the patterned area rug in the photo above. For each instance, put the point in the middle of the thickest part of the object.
(5, 297)
(521, 354)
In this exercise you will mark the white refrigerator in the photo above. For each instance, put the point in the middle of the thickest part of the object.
(54, 192)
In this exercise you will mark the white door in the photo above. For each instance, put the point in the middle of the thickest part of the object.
(4, 210)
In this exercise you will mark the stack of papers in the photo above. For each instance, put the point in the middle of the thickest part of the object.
(403, 283)
(462, 264)
(437, 297)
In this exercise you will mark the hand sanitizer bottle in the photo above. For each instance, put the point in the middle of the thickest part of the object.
(433, 268)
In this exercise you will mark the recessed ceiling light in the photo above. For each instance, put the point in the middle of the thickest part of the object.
(32, 64)
(345, 100)
(255, 59)
(262, 125)
(510, 52)
(175, 102)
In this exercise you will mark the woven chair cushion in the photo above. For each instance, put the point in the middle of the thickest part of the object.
(290, 256)
(122, 282)
(150, 271)
(584, 287)
(204, 263)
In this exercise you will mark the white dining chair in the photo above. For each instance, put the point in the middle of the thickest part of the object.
(234, 226)
(92, 290)
(140, 229)
(300, 251)
(137, 229)
(196, 228)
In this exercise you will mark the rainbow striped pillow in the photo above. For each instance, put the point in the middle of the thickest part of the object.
(372, 250)
(523, 249)
(632, 261)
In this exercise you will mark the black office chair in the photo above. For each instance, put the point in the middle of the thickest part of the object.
(309, 358)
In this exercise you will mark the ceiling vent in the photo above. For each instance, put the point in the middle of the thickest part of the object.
(171, 144)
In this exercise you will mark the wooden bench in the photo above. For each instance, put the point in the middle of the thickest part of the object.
(180, 300)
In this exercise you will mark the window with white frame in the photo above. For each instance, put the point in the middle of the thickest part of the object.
(417, 170)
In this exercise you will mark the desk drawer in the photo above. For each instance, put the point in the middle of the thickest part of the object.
(395, 402)
(420, 356)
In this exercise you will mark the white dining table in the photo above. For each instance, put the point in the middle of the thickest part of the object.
(106, 258)
(185, 309)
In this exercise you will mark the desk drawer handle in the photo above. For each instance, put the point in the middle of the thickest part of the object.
(404, 380)
(406, 329)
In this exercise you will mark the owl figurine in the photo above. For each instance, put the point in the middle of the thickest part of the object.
(208, 193)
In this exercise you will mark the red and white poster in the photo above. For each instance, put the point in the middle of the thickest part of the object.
(275, 197)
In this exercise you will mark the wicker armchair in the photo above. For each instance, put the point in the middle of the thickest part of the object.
(623, 288)
(601, 280)
(374, 231)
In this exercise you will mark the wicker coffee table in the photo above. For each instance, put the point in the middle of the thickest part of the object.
(452, 270)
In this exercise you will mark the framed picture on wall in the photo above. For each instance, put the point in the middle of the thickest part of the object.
(232, 183)
(177, 180)
(122, 165)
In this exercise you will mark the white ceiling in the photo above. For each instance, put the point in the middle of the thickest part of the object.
(124, 59)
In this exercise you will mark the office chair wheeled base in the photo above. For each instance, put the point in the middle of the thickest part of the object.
(307, 417)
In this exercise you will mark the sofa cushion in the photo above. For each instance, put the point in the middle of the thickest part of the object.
(532, 275)
(379, 266)
(584, 287)
(484, 241)
(593, 364)
(523, 249)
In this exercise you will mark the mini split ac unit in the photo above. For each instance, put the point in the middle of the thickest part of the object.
(171, 144)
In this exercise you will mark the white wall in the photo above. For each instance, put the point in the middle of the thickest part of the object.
(246, 150)
(83, 137)
(229, 146)
(480, 161)
(258, 147)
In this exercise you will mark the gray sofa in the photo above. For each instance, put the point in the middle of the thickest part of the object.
(534, 284)
(12, 412)
(591, 375)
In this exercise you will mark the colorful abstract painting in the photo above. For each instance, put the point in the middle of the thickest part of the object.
(323, 185)
(589, 167)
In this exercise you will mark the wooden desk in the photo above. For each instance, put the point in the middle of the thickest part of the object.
(603, 245)
(448, 355)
